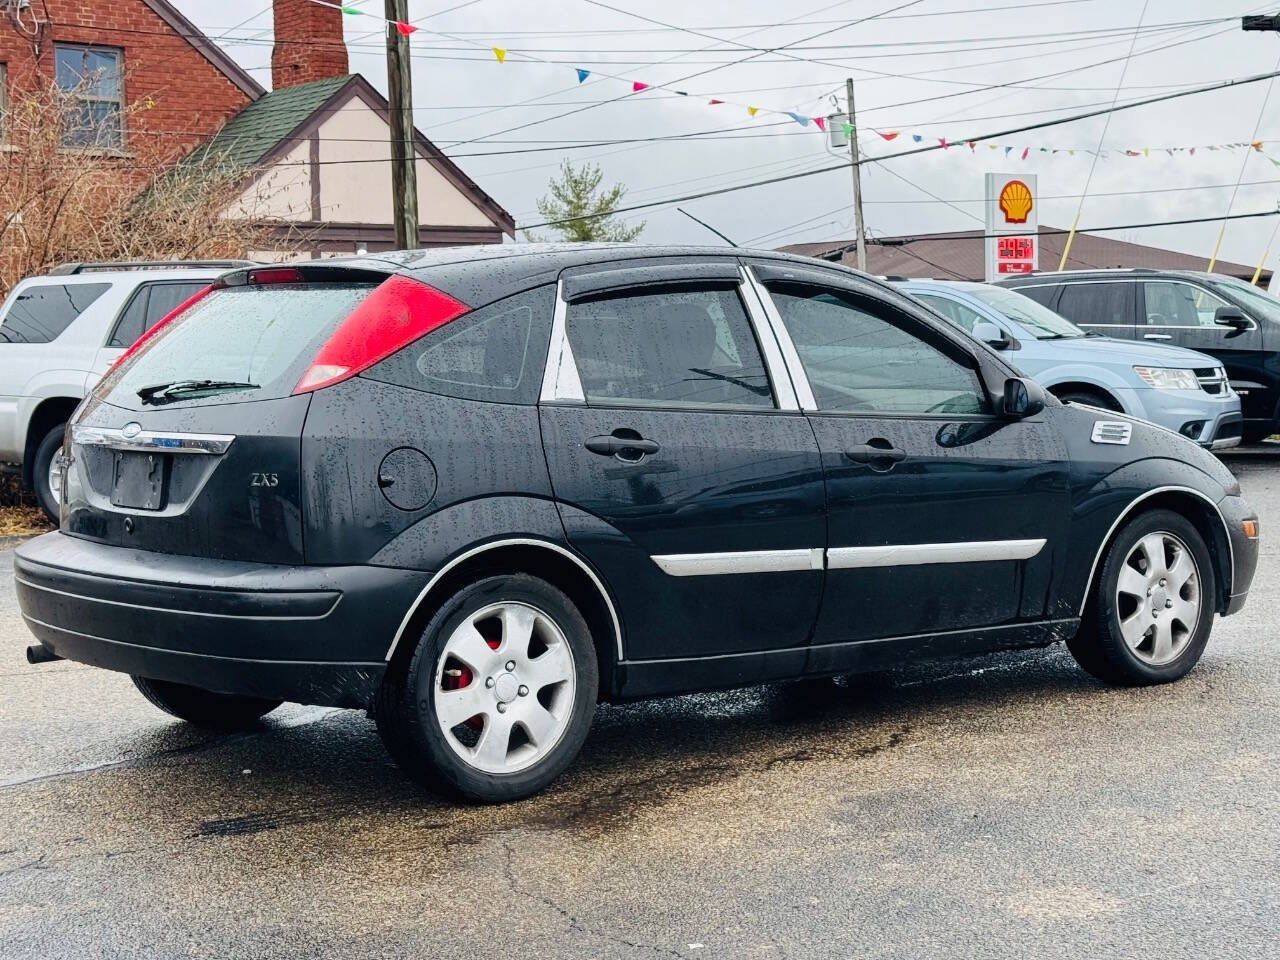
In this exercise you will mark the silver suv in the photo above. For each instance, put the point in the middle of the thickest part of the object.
(60, 333)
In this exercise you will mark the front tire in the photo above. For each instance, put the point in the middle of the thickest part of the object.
(43, 473)
(1152, 606)
(497, 698)
(204, 708)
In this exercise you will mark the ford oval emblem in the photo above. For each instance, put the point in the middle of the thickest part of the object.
(130, 430)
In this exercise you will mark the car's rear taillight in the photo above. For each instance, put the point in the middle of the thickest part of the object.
(397, 312)
(167, 318)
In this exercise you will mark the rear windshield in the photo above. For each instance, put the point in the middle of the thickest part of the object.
(264, 336)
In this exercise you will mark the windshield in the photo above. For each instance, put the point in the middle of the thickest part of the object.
(237, 343)
(1253, 297)
(1041, 322)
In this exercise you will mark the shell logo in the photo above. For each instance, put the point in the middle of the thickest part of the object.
(1015, 201)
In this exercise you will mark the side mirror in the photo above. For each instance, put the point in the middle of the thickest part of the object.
(1234, 318)
(1022, 398)
(990, 334)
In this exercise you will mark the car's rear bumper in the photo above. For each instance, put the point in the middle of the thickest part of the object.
(310, 634)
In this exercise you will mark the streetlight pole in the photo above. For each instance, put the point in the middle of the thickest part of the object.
(856, 167)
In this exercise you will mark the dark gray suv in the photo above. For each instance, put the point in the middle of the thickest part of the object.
(1229, 319)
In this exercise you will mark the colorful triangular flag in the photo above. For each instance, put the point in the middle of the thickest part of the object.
(637, 86)
(1007, 150)
(1025, 152)
(890, 135)
(500, 54)
(820, 123)
(405, 29)
(798, 118)
(751, 111)
(712, 103)
(351, 11)
(916, 137)
(583, 74)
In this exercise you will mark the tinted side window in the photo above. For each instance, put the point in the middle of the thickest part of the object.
(674, 347)
(1109, 304)
(1179, 304)
(1042, 295)
(495, 353)
(40, 314)
(959, 314)
(148, 306)
(860, 357)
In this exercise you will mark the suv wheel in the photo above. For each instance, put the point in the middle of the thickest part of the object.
(1153, 604)
(498, 696)
(46, 473)
(204, 708)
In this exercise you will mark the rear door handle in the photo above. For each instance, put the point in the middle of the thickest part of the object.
(1157, 336)
(868, 453)
(624, 448)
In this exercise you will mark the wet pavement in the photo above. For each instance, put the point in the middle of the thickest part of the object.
(1002, 807)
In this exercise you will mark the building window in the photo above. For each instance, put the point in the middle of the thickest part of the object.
(93, 79)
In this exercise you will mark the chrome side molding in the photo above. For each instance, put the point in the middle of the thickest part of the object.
(137, 440)
(746, 561)
(844, 558)
(916, 554)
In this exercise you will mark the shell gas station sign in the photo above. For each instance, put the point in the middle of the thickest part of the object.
(1013, 241)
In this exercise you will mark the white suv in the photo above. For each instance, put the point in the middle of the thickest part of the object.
(59, 333)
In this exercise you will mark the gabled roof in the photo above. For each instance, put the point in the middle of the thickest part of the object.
(265, 130)
(263, 126)
(208, 49)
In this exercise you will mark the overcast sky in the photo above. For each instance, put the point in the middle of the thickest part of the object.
(467, 103)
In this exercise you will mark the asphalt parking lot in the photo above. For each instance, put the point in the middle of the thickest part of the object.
(1003, 807)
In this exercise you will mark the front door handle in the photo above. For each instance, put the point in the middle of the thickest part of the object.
(880, 454)
(1157, 336)
(626, 448)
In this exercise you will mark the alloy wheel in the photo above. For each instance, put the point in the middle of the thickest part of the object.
(504, 687)
(1158, 598)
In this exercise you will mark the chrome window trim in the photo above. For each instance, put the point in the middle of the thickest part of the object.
(784, 390)
(560, 380)
(795, 369)
(742, 561)
(1093, 569)
(916, 554)
(146, 441)
(494, 545)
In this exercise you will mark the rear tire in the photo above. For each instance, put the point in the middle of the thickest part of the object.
(204, 708)
(1151, 610)
(497, 697)
(50, 501)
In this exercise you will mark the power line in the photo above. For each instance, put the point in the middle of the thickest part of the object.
(929, 148)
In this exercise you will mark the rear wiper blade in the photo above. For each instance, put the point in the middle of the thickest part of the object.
(160, 392)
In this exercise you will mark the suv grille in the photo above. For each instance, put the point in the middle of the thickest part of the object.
(1212, 379)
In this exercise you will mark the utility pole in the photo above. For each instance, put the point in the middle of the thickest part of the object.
(404, 153)
(857, 176)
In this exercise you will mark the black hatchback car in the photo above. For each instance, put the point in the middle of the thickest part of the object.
(1227, 318)
(478, 490)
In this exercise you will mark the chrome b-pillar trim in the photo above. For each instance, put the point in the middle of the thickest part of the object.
(560, 380)
(799, 379)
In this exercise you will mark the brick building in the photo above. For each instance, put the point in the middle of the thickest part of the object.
(145, 59)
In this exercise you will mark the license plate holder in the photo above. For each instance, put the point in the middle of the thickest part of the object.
(138, 481)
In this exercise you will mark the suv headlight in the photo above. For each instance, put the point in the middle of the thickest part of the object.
(1168, 378)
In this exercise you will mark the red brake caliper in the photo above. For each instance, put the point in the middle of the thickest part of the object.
(455, 678)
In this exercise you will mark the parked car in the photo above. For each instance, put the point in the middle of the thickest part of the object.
(1179, 389)
(476, 490)
(1228, 319)
(60, 333)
